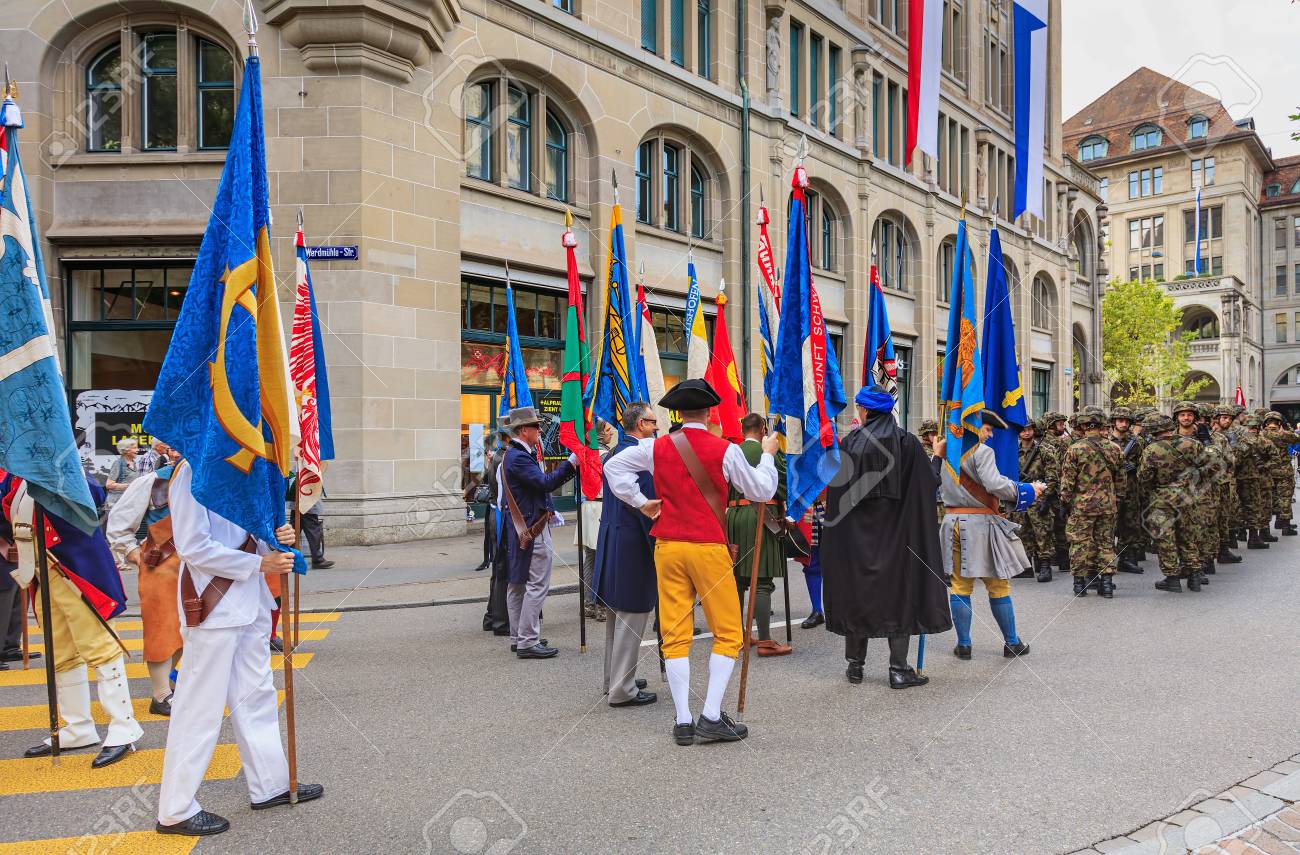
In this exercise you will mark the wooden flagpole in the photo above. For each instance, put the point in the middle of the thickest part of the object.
(288, 620)
(43, 569)
(749, 608)
(29, 606)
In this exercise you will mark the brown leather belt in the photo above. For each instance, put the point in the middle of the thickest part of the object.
(196, 607)
(742, 503)
(979, 510)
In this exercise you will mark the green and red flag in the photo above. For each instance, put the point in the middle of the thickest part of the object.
(575, 425)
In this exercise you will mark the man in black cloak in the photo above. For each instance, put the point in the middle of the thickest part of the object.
(880, 545)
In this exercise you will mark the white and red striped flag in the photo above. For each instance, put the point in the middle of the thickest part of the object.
(311, 388)
(1239, 398)
(924, 53)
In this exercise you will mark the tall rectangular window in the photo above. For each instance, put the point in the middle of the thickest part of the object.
(1041, 394)
(1279, 234)
(816, 109)
(1295, 225)
(1132, 185)
(158, 91)
(644, 175)
(1158, 180)
(833, 91)
(891, 118)
(650, 25)
(1279, 281)
(478, 133)
(1297, 278)
(519, 135)
(877, 105)
(672, 181)
(216, 96)
(1279, 327)
(677, 32)
(796, 66)
(704, 39)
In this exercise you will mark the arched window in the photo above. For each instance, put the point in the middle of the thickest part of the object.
(830, 233)
(169, 68)
(1092, 148)
(1043, 314)
(506, 150)
(1202, 324)
(104, 101)
(1146, 136)
(892, 251)
(1198, 127)
(823, 230)
(673, 187)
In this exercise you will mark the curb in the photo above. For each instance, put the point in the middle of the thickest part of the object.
(1197, 827)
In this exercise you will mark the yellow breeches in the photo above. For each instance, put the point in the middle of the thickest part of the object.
(78, 638)
(961, 586)
(686, 570)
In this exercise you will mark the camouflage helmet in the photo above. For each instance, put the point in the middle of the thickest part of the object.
(1157, 422)
(929, 426)
(1274, 415)
(1117, 413)
(1251, 420)
(1035, 425)
(1260, 411)
(1182, 407)
(1051, 417)
(1225, 410)
(1089, 418)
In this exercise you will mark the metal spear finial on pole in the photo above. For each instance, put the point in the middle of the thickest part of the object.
(250, 26)
(613, 177)
(801, 151)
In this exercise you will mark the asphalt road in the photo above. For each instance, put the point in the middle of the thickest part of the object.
(430, 737)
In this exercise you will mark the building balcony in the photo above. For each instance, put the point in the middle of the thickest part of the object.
(1202, 284)
(1203, 349)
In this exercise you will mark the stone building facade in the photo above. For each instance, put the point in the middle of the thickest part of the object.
(445, 140)
(1279, 208)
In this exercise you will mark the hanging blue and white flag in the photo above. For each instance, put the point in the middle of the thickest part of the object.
(1196, 265)
(1029, 20)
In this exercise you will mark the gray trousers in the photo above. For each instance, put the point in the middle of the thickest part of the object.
(524, 601)
(623, 633)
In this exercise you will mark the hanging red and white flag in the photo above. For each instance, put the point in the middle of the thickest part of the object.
(1239, 398)
(924, 53)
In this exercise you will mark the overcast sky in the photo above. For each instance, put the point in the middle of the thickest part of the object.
(1243, 51)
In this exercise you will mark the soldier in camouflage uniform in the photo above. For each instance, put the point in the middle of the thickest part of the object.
(1253, 454)
(1201, 490)
(1226, 436)
(1282, 471)
(1092, 483)
(1218, 481)
(1128, 520)
(926, 433)
(1054, 438)
(1170, 467)
(1037, 463)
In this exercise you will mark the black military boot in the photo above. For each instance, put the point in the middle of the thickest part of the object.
(1254, 541)
(1193, 580)
(1227, 556)
(1241, 534)
(1267, 536)
(1277, 523)
(1063, 560)
(1288, 528)
(1043, 568)
(1107, 587)
(1170, 584)
(1208, 569)
(1127, 563)
(1080, 586)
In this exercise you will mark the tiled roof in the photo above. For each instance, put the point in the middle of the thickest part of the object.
(1147, 97)
(1287, 176)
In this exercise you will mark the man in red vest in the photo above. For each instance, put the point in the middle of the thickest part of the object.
(691, 469)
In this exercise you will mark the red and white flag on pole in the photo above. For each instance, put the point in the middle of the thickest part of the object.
(1239, 398)
(302, 369)
(924, 53)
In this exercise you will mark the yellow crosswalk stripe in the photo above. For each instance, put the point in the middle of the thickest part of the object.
(138, 643)
(134, 670)
(36, 716)
(124, 624)
(126, 843)
(39, 775)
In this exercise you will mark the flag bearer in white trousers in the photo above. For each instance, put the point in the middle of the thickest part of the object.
(227, 664)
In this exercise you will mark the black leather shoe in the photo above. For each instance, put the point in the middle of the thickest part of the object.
(1080, 586)
(1227, 556)
(277, 644)
(854, 671)
(537, 651)
(44, 750)
(306, 793)
(1170, 584)
(1027, 573)
(15, 654)
(640, 682)
(962, 651)
(1107, 587)
(323, 564)
(1012, 651)
(485, 565)
(684, 734)
(1290, 531)
(111, 754)
(1044, 573)
(540, 641)
(201, 824)
(1128, 564)
(641, 699)
(1253, 541)
(813, 620)
(1267, 536)
(500, 631)
(163, 707)
(722, 729)
(906, 678)
(1194, 581)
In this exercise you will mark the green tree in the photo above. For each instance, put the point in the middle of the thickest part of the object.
(1144, 352)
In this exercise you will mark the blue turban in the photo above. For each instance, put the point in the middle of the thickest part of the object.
(875, 398)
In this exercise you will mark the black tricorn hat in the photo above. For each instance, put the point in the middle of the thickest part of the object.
(689, 396)
(992, 419)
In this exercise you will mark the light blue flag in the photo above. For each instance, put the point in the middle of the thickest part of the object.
(1003, 392)
(962, 396)
(224, 396)
(36, 441)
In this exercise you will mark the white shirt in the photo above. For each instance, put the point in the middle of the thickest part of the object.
(758, 483)
(209, 546)
(127, 513)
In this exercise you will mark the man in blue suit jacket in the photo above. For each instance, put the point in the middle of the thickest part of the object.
(528, 567)
(623, 579)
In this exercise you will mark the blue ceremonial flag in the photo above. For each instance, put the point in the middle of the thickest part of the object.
(1029, 24)
(1003, 392)
(619, 378)
(36, 441)
(878, 363)
(1196, 265)
(808, 390)
(224, 398)
(962, 395)
(514, 380)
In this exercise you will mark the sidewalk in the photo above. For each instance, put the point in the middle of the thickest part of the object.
(417, 573)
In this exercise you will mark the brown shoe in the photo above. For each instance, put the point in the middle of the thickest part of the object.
(773, 648)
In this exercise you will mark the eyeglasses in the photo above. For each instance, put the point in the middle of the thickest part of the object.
(651, 419)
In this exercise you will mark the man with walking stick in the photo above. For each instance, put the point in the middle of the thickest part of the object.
(743, 530)
(692, 469)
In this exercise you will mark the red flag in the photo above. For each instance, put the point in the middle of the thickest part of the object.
(575, 419)
(725, 381)
(1240, 398)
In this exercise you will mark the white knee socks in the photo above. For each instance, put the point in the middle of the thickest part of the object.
(679, 684)
(159, 679)
(719, 675)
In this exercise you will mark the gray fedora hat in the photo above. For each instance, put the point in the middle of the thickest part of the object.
(522, 417)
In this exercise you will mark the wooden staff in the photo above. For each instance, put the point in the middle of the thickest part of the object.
(789, 631)
(43, 569)
(582, 563)
(749, 607)
(291, 640)
(29, 606)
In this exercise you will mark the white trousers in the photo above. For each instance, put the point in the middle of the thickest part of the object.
(223, 668)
